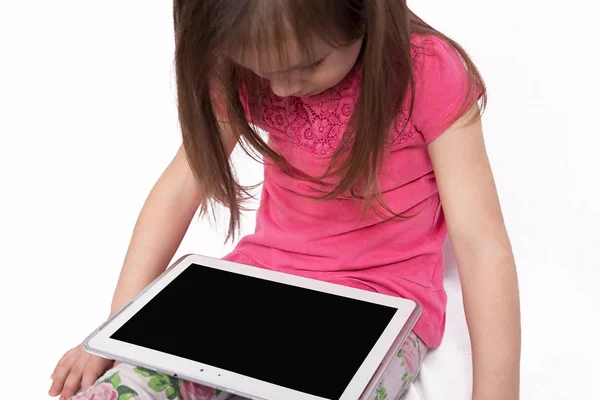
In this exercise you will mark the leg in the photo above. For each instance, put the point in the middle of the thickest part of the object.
(402, 371)
(126, 382)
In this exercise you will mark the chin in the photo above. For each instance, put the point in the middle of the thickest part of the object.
(312, 93)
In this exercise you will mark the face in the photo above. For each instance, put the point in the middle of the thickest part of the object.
(300, 75)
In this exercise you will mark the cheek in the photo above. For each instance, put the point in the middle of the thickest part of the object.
(337, 67)
(329, 77)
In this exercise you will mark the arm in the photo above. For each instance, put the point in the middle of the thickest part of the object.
(484, 255)
(159, 230)
(161, 225)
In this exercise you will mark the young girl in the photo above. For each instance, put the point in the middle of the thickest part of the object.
(374, 153)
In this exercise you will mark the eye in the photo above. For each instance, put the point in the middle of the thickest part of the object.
(313, 66)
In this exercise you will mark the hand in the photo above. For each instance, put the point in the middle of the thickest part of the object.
(77, 369)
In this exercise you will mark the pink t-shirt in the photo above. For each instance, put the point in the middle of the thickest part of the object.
(328, 240)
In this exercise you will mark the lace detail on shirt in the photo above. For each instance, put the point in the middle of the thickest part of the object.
(318, 125)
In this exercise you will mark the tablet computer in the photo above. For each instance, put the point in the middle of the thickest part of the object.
(258, 333)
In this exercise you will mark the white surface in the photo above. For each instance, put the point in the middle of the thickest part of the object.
(87, 123)
(100, 342)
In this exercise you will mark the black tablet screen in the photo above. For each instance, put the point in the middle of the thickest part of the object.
(298, 338)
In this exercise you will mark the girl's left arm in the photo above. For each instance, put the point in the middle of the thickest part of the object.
(484, 255)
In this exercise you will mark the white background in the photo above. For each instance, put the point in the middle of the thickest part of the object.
(88, 122)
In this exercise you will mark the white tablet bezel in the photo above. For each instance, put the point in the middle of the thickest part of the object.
(100, 343)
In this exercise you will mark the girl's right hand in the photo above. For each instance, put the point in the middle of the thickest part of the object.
(77, 369)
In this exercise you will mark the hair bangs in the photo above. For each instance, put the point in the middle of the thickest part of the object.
(263, 32)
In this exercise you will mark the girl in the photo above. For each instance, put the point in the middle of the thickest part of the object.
(374, 152)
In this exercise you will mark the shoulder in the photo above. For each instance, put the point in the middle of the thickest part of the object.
(431, 48)
(436, 63)
(443, 85)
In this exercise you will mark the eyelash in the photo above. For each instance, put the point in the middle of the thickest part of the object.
(313, 66)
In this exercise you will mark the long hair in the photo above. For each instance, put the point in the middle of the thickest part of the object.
(206, 30)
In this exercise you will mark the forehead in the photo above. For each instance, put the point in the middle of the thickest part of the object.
(280, 55)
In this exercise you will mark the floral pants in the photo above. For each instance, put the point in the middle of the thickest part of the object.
(126, 382)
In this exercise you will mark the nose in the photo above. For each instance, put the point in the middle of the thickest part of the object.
(285, 88)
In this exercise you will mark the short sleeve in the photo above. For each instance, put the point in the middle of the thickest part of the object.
(441, 86)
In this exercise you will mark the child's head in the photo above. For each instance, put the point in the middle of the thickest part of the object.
(299, 47)
(295, 48)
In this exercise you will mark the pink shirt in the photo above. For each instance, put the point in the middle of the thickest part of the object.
(327, 240)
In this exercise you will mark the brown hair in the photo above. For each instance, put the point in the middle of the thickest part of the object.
(205, 29)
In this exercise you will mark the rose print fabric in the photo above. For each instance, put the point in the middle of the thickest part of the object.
(126, 382)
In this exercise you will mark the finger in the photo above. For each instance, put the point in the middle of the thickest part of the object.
(95, 367)
(74, 379)
(61, 371)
